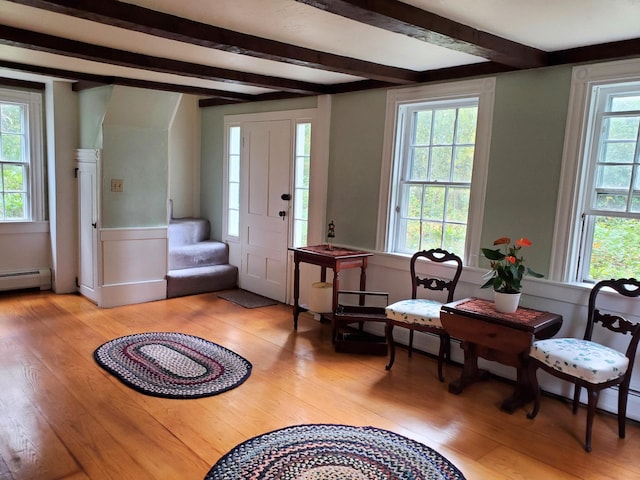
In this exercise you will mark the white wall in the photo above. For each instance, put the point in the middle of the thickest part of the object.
(24, 246)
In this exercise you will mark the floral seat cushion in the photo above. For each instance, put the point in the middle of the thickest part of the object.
(587, 360)
(417, 312)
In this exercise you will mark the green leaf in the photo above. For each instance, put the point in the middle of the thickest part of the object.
(493, 254)
(534, 274)
(488, 283)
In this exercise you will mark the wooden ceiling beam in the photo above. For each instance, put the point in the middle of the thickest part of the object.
(61, 46)
(592, 53)
(84, 81)
(152, 22)
(405, 19)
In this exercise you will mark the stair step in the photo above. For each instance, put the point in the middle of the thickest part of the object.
(190, 281)
(199, 254)
(184, 231)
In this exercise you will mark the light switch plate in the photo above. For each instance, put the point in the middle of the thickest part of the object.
(117, 185)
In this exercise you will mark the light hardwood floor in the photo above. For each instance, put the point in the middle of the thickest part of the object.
(63, 417)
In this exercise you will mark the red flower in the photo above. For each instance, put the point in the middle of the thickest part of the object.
(507, 268)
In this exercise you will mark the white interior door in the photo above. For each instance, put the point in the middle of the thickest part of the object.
(267, 151)
(88, 186)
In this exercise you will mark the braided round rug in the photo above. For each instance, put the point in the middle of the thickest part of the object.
(173, 365)
(333, 452)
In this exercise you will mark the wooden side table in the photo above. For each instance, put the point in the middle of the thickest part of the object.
(501, 337)
(337, 259)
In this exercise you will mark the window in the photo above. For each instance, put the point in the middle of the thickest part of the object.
(605, 224)
(233, 191)
(301, 184)
(21, 179)
(438, 167)
(436, 155)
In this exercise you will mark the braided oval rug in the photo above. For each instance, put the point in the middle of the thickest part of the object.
(173, 365)
(333, 452)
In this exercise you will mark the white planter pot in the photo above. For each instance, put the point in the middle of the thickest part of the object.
(506, 302)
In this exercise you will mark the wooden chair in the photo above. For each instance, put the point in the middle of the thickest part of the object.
(423, 315)
(588, 364)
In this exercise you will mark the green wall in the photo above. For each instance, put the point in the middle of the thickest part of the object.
(355, 156)
(92, 106)
(524, 168)
(525, 159)
(131, 126)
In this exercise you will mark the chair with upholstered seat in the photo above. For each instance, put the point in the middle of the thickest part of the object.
(589, 364)
(421, 314)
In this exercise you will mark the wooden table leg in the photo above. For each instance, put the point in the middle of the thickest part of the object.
(363, 280)
(523, 393)
(296, 291)
(470, 371)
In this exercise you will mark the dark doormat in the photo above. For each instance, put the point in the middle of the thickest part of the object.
(247, 299)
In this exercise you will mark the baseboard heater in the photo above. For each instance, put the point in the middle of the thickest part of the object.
(18, 280)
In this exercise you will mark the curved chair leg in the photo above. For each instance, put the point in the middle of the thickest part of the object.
(576, 398)
(410, 342)
(593, 396)
(623, 394)
(533, 381)
(388, 330)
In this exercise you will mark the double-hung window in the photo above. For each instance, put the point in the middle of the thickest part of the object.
(605, 224)
(436, 152)
(21, 163)
(438, 167)
(612, 207)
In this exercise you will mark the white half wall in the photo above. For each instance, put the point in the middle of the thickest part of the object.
(134, 265)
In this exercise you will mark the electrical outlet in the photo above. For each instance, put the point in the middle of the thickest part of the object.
(117, 185)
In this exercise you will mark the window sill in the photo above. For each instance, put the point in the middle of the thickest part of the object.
(16, 228)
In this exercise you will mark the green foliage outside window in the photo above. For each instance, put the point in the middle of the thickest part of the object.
(615, 252)
(13, 172)
(434, 196)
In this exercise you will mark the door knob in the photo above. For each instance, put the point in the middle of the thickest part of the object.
(282, 214)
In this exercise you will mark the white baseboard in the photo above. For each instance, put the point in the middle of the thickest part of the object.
(117, 295)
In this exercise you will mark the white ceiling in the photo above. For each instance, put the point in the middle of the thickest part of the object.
(549, 25)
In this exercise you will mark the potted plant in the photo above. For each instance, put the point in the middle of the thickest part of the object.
(507, 272)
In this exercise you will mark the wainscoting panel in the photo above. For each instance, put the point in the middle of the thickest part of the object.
(134, 265)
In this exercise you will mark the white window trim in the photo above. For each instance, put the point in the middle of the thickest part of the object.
(484, 89)
(566, 237)
(36, 160)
